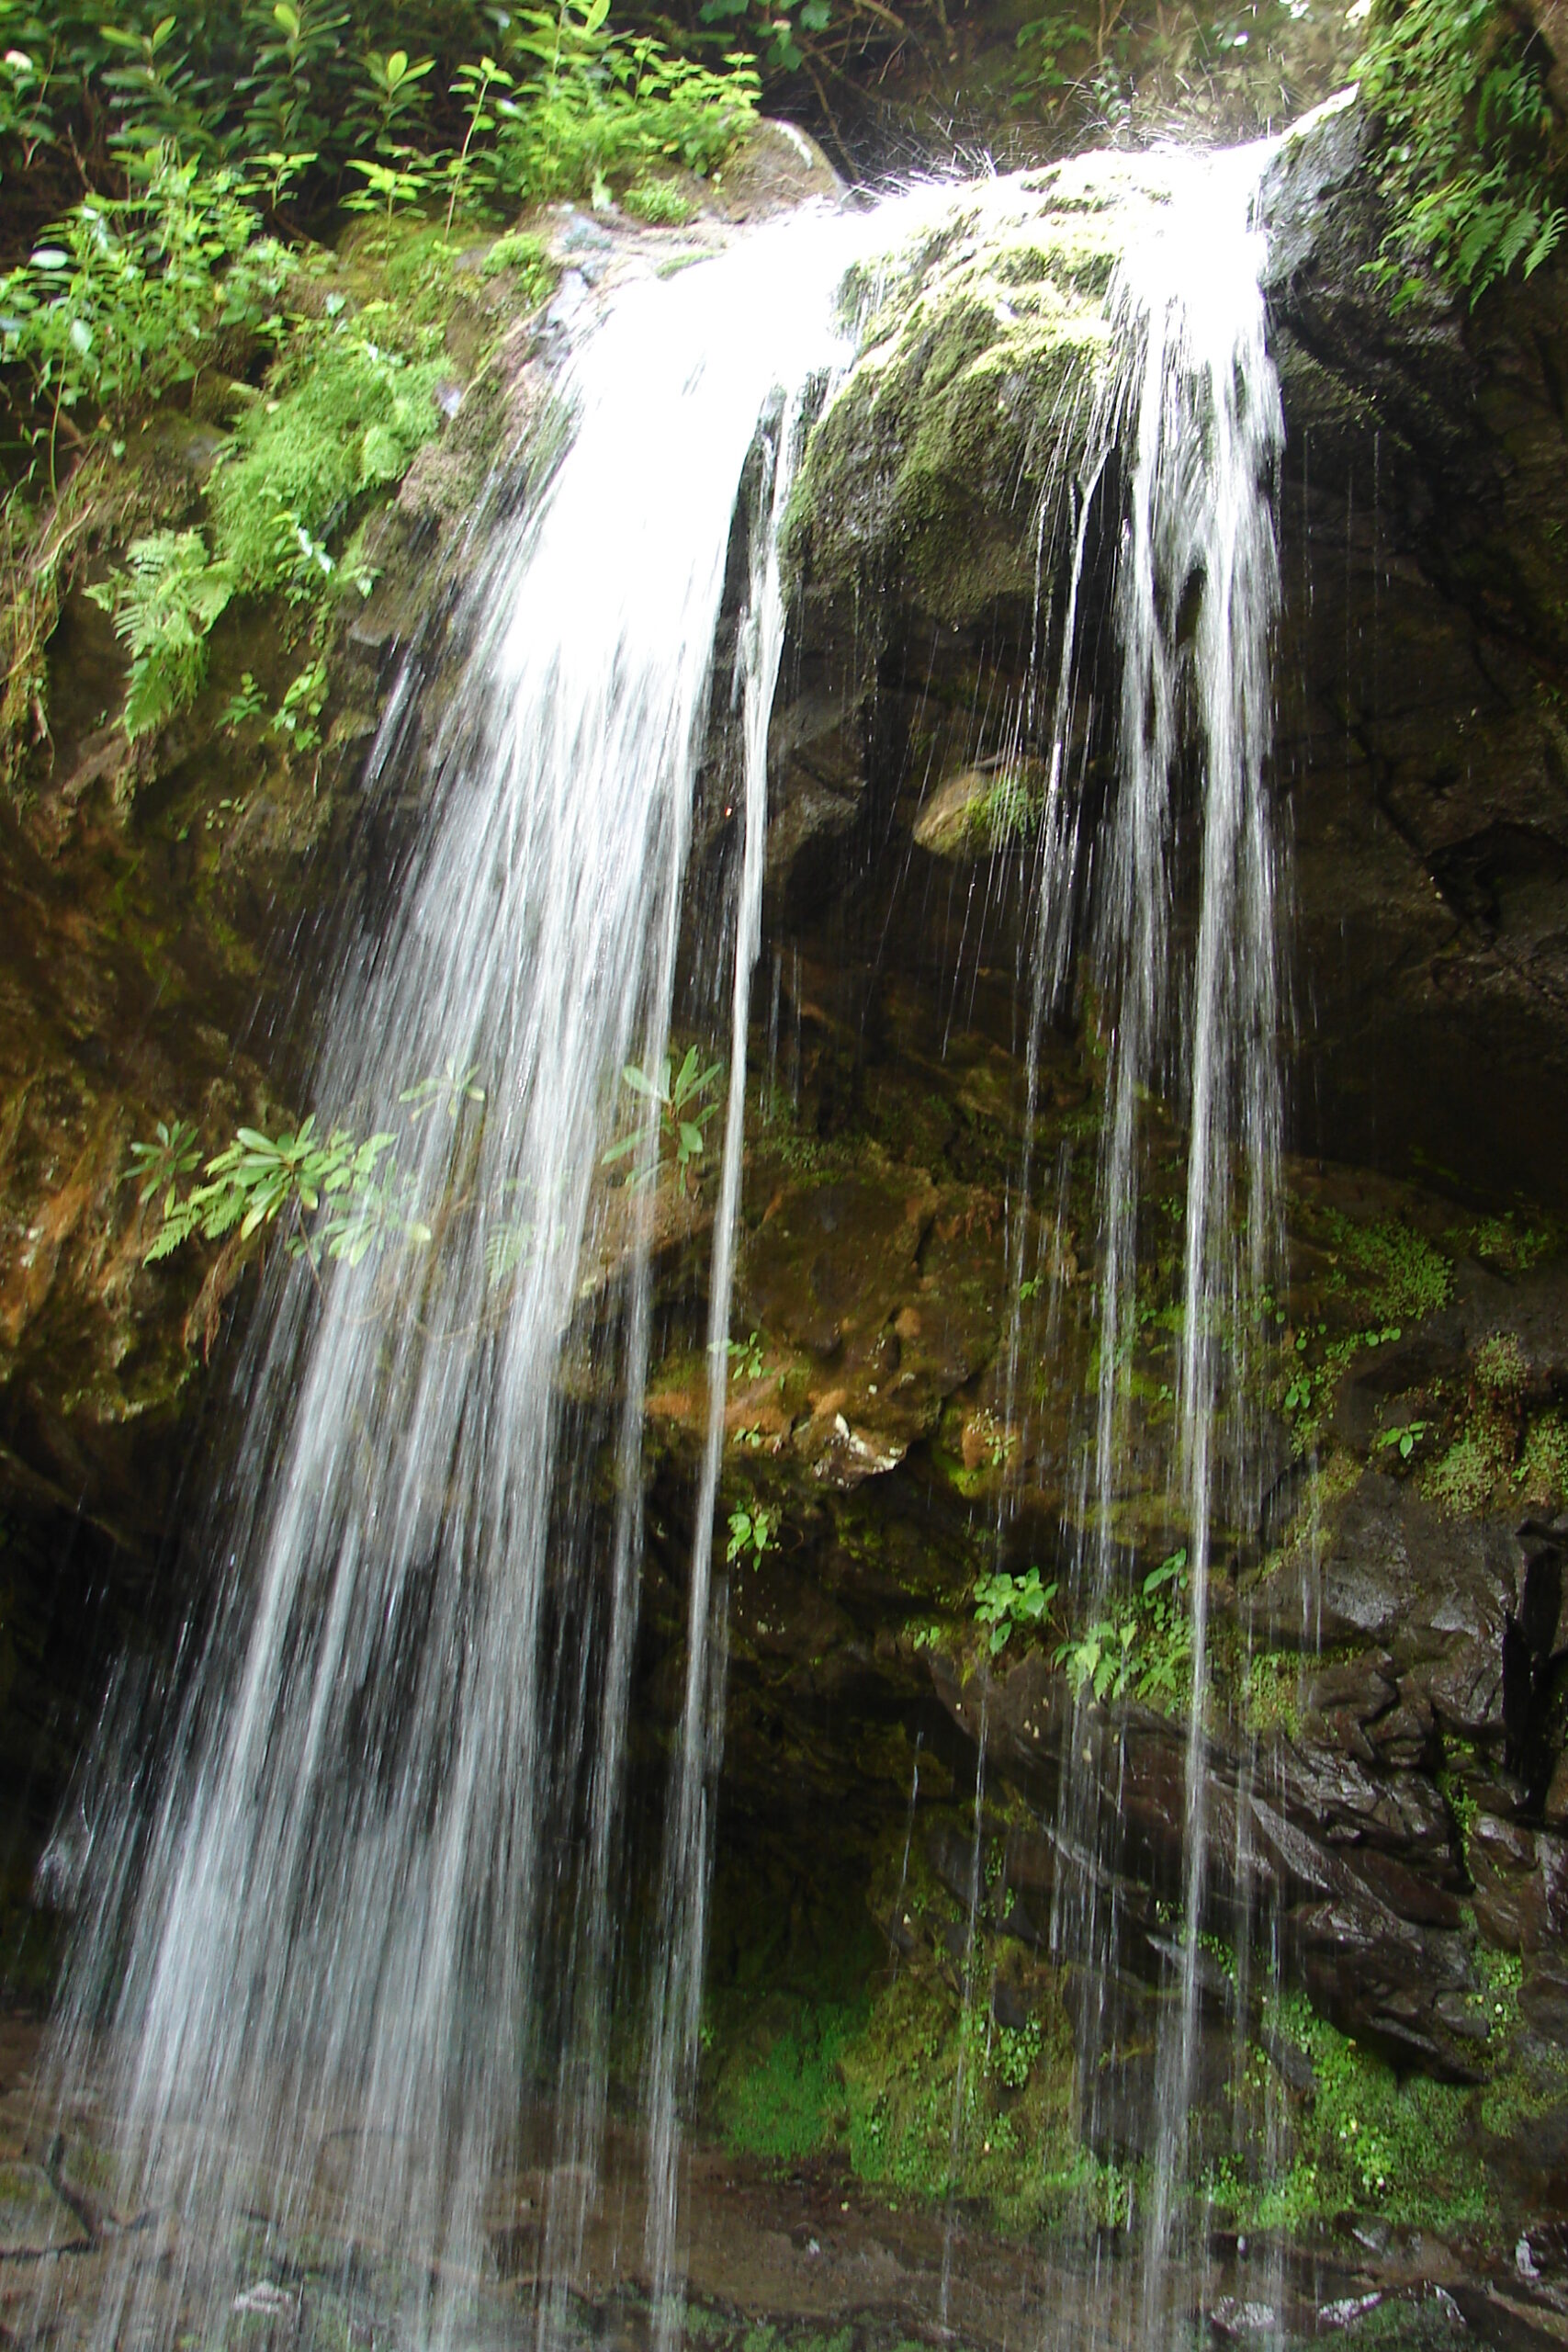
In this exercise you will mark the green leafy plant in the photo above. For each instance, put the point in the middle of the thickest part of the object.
(258, 1179)
(396, 93)
(157, 1167)
(1471, 150)
(1101, 1659)
(746, 1357)
(1003, 1601)
(162, 609)
(753, 1532)
(601, 105)
(394, 182)
(1145, 1651)
(472, 86)
(682, 1113)
(297, 716)
(247, 702)
(1166, 1634)
(127, 297)
(347, 413)
(1407, 1437)
(457, 1087)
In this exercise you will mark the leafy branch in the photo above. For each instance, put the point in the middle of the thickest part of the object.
(259, 1181)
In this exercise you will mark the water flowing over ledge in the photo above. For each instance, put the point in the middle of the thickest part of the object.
(380, 1887)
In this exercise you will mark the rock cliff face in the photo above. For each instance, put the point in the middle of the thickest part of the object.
(1388, 1881)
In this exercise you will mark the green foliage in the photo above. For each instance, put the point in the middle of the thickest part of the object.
(1471, 163)
(1002, 1601)
(526, 255)
(157, 1167)
(394, 182)
(746, 1357)
(1508, 1244)
(1145, 1651)
(523, 96)
(1541, 1471)
(1100, 1659)
(602, 105)
(247, 702)
(676, 1095)
(454, 1091)
(1271, 1692)
(297, 716)
(1463, 1808)
(1407, 2147)
(1396, 1274)
(942, 2101)
(345, 415)
(164, 607)
(127, 297)
(258, 1179)
(753, 1532)
(788, 2101)
(1486, 1445)
(658, 202)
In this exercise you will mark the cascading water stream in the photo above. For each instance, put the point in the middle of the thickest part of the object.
(378, 1892)
(347, 1919)
(1192, 409)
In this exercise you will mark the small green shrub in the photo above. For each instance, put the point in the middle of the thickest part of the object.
(753, 1532)
(125, 298)
(1145, 1651)
(350, 1190)
(603, 106)
(1002, 1601)
(681, 1114)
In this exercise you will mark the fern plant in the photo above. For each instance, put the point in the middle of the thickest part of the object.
(1472, 167)
(162, 609)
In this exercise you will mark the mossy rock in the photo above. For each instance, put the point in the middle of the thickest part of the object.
(983, 352)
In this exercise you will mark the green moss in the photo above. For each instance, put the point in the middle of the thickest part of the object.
(1396, 1273)
(658, 202)
(1462, 1483)
(782, 2097)
(1406, 2148)
(524, 261)
(923, 463)
(1271, 1684)
(1541, 1473)
(1462, 1808)
(345, 416)
(943, 2101)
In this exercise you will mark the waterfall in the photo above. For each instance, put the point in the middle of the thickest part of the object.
(376, 1890)
(386, 1847)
